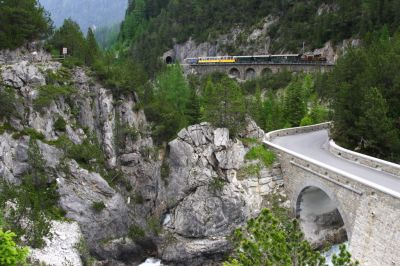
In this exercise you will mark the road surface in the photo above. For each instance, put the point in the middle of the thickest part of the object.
(315, 146)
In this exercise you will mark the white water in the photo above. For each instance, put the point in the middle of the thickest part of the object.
(333, 250)
(151, 262)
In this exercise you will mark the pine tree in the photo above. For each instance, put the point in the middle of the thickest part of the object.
(225, 106)
(295, 106)
(377, 132)
(22, 21)
(69, 35)
(92, 48)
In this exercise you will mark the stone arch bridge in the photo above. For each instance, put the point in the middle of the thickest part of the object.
(330, 187)
(249, 71)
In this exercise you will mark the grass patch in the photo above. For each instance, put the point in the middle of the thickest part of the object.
(249, 170)
(267, 157)
(154, 225)
(6, 128)
(98, 206)
(136, 232)
(60, 124)
(50, 93)
(165, 171)
(216, 184)
(61, 77)
(247, 142)
(33, 134)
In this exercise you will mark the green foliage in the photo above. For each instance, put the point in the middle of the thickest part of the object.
(216, 184)
(165, 171)
(275, 240)
(343, 258)
(69, 36)
(50, 93)
(249, 170)
(306, 121)
(98, 206)
(32, 133)
(154, 225)
(224, 105)
(265, 156)
(364, 87)
(7, 102)
(295, 106)
(84, 252)
(166, 104)
(21, 22)
(136, 232)
(10, 253)
(267, 241)
(60, 124)
(92, 48)
(35, 201)
(123, 132)
(121, 75)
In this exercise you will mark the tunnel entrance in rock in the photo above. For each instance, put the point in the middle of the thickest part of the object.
(320, 218)
(169, 60)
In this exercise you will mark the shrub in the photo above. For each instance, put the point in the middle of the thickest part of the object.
(154, 225)
(98, 206)
(267, 157)
(32, 133)
(50, 93)
(136, 233)
(165, 171)
(250, 170)
(306, 121)
(10, 253)
(7, 100)
(60, 124)
(216, 184)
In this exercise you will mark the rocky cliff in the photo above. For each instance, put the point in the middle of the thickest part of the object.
(255, 40)
(126, 197)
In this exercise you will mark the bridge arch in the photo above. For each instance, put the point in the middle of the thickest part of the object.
(266, 71)
(321, 215)
(234, 72)
(250, 73)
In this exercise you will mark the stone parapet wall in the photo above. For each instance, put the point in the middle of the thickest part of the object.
(375, 163)
(296, 130)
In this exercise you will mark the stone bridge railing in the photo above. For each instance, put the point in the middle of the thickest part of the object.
(326, 171)
(368, 161)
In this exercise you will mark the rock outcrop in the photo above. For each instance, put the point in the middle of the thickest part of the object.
(204, 201)
(90, 112)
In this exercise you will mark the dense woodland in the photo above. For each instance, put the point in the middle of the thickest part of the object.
(361, 94)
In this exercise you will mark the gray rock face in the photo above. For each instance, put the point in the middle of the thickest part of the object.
(135, 169)
(205, 200)
(22, 74)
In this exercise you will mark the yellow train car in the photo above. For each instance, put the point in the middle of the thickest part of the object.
(216, 60)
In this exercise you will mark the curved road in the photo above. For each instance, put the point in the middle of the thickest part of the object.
(315, 146)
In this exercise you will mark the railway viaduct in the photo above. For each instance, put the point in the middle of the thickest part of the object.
(364, 190)
(249, 71)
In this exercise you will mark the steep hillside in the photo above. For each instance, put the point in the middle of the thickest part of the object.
(87, 13)
(153, 27)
